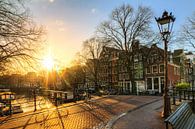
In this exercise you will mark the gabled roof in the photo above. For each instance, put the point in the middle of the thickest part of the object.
(148, 51)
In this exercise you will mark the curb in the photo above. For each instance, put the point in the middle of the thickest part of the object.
(110, 124)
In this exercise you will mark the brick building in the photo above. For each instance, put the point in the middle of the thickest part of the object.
(154, 76)
(109, 67)
(147, 69)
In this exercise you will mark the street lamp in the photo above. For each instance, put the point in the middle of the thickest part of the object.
(165, 25)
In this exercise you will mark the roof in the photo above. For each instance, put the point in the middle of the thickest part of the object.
(178, 52)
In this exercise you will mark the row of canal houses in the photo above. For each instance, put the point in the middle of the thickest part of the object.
(148, 69)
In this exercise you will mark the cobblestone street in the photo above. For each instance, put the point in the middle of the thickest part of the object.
(93, 114)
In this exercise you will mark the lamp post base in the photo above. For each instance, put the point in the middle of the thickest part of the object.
(167, 107)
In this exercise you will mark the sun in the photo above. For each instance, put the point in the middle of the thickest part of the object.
(48, 63)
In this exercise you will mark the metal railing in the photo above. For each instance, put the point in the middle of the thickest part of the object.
(179, 95)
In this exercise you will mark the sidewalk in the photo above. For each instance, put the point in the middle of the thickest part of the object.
(89, 114)
(146, 117)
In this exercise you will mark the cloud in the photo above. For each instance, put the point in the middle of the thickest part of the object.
(59, 22)
(61, 29)
(93, 10)
(60, 25)
(51, 1)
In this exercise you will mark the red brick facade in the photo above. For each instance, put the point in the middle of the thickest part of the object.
(173, 74)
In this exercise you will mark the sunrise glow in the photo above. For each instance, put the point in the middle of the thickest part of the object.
(48, 63)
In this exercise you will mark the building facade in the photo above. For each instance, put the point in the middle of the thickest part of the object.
(146, 69)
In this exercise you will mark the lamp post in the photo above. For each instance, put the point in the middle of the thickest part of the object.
(165, 25)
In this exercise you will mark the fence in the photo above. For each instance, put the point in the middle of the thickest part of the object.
(183, 94)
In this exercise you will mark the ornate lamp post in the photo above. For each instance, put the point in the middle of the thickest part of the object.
(165, 25)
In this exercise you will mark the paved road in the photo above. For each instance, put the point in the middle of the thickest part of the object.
(93, 114)
(146, 117)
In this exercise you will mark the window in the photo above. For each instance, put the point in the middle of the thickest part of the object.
(160, 58)
(151, 60)
(155, 57)
(140, 56)
(135, 58)
(136, 65)
(162, 84)
(126, 76)
(115, 70)
(125, 69)
(122, 69)
(149, 83)
(139, 71)
(140, 65)
(156, 84)
(161, 69)
(115, 78)
(148, 60)
(120, 76)
(162, 80)
(148, 70)
(154, 69)
(178, 71)
(138, 74)
(141, 74)
(175, 70)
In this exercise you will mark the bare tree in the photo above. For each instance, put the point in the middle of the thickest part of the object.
(125, 26)
(92, 49)
(188, 32)
(19, 36)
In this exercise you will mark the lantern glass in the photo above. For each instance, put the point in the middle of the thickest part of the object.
(165, 28)
(165, 23)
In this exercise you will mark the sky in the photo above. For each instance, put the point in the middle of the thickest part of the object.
(70, 22)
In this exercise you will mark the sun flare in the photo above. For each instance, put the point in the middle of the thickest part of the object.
(48, 63)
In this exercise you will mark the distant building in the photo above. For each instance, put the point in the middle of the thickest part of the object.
(109, 67)
(30, 79)
(92, 74)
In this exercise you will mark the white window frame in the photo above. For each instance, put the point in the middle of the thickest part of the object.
(153, 69)
(163, 68)
(147, 70)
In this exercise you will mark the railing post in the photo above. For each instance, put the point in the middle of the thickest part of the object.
(10, 105)
(167, 125)
(192, 96)
(184, 94)
(174, 91)
(188, 94)
(179, 95)
(35, 100)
